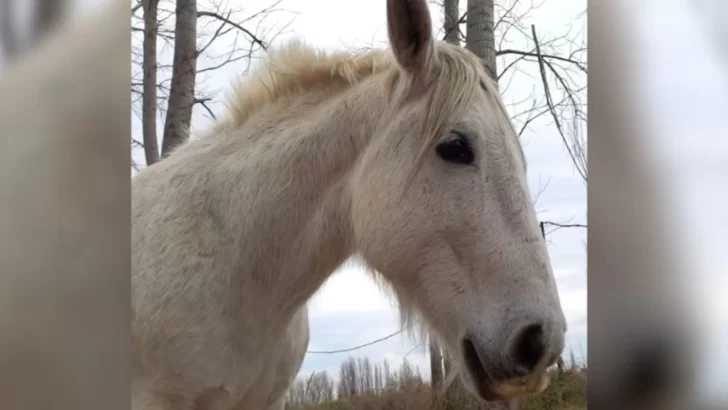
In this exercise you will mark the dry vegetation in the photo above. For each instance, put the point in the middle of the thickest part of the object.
(366, 386)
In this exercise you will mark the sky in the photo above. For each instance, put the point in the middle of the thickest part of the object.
(350, 310)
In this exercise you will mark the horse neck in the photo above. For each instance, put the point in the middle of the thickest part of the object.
(299, 227)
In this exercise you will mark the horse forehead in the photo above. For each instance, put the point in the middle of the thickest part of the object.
(487, 118)
(483, 117)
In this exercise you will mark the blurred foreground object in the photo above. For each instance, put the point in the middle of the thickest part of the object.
(64, 218)
(713, 15)
(45, 17)
(641, 350)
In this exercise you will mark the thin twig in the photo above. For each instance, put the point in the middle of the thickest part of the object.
(560, 225)
(457, 24)
(203, 103)
(202, 49)
(578, 64)
(551, 106)
(252, 36)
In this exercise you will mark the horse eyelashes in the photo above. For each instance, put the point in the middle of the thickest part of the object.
(456, 149)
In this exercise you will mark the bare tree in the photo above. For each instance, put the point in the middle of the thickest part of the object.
(378, 378)
(491, 26)
(357, 377)
(390, 378)
(314, 389)
(296, 395)
(366, 375)
(149, 99)
(325, 387)
(480, 35)
(575, 147)
(451, 23)
(407, 372)
(348, 378)
(224, 35)
(182, 89)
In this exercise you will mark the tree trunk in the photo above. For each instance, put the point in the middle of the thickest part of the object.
(435, 364)
(149, 65)
(480, 35)
(452, 16)
(182, 90)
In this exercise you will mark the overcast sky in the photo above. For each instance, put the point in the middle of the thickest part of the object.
(350, 310)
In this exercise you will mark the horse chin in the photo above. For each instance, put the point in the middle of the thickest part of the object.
(521, 387)
(509, 389)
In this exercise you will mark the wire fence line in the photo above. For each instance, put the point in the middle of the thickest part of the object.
(356, 347)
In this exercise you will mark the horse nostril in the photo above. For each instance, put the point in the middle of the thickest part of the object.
(529, 346)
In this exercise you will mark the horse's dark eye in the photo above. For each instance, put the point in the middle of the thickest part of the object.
(456, 149)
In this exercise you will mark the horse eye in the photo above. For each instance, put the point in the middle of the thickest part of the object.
(456, 149)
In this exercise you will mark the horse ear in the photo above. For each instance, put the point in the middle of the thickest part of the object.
(409, 26)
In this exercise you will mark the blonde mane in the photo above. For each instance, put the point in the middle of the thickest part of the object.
(296, 68)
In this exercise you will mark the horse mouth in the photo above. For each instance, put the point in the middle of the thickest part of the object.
(480, 377)
(492, 388)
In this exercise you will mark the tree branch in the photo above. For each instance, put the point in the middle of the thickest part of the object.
(560, 225)
(457, 24)
(578, 64)
(252, 36)
(512, 63)
(203, 103)
(551, 106)
(136, 7)
(214, 36)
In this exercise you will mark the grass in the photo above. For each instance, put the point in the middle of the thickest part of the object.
(567, 391)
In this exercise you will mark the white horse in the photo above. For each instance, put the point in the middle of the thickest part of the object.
(406, 158)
